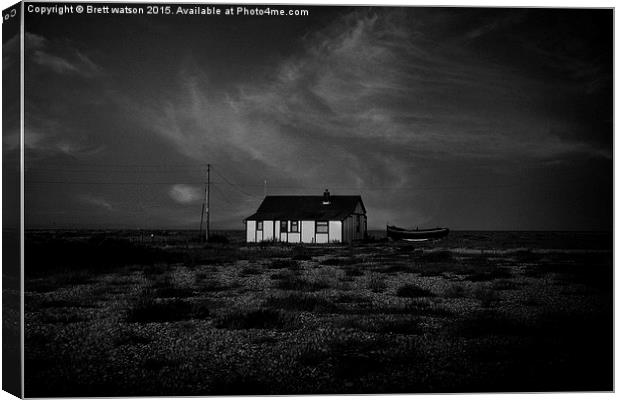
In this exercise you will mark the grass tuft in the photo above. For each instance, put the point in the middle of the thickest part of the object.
(376, 282)
(261, 318)
(301, 253)
(504, 284)
(385, 324)
(340, 261)
(488, 322)
(250, 270)
(455, 291)
(424, 307)
(285, 264)
(490, 273)
(217, 238)
(487, 296)
(436, 256)
(301, 302)
(396, 268)
(292, 281)
(149, 308)
(411, 290)
(131, 339)
(353, 271)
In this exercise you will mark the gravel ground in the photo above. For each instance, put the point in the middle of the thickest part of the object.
(238, 319)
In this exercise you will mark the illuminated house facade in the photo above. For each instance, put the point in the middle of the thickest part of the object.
(308, 219)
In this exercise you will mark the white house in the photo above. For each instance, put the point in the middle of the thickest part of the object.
(308, 219)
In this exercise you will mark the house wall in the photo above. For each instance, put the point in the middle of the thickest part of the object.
(307, 231)
(291, 236)
(281, 235)
(349, 225)
(334, 234)
(267, 230)
(273, 232)
(250, 231)
(339, 231)
(322, 238)
(286, 236)
(349, 228)
(294, 238)
(335, 231)
(364, 227)
(347, 232)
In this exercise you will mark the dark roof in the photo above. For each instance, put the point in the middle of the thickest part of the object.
(306, 208)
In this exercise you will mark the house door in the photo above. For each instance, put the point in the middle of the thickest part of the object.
(284, 231)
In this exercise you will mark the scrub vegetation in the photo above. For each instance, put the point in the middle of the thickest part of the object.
(113, 313)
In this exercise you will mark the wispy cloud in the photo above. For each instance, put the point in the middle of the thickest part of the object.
(52, 127)
(54, 142)
(61, 59)
(96, 201)
(368, 77)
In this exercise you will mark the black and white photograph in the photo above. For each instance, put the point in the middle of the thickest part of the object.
(306, 199)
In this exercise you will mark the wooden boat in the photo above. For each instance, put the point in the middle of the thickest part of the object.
(416, 235)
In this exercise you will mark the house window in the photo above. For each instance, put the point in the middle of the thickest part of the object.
(259, 225)
(322, 227)
(295, 226)
(357, 225)
(283, 226)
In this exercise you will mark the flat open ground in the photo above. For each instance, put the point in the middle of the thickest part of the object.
(110, 313)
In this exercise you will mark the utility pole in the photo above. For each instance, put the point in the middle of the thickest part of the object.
(208, 195)
(202, 216)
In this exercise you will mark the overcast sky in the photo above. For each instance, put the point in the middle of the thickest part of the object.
(465, 118)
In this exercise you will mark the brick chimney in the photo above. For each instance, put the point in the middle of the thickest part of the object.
(326, 199)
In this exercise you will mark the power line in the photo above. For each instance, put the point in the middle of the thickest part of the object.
(108, 170)
(108, 165)
(235, 186)
(238, 186)
(29, 181)
(222, 194)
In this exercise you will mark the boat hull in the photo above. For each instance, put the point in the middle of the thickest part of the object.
(418, 235)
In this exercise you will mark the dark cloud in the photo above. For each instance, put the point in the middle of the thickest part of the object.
(436, 116)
